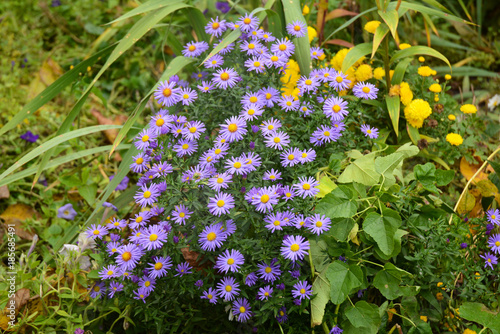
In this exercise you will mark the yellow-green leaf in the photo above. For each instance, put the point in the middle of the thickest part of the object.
(419, 50)
(391, 18)
(413, 133)
(380, 33)
(394, 106)
(400, 71)
(146, 7)
(355, 54)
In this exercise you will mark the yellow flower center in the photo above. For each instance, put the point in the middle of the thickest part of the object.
(251, 46)
(185, 146)
(282, 47)
(497, 243)
(251, 111)
(145, 138)
(192, 129)
(229, 288)
(268, 270)
(277, 140)
(192, 48)
(276, 223)
(368, 131)
(294, 247)
(224, 76)
(138, 219)
(217, 151)
(185, 96)
(291, 157)
(304, 155)
(110, 272)
(266, 294)
(288, 194)
(160, 122)
(306, 186)
(210, 296)
(211, 236)
(336, 108)
(339, 79)
(237, 164)
(147, 194)
(153, 237)
(126, 256)
(327, 133)
(493, 217)
(302, 291)
(232, 127)
(309, 82)
(158, 266)
(366, 90)
(230, 261)
(220, 203)
(215, 25)
(182, 215)
(288, 103)
(97, 289)
(242, 309)
(220, 180)
(96, 232)
(114, 250)
(147, 283)
(256, 64)
(272, 177)
(167, 92)
(264, 198)
(270, 127)
(319, 223)
(247, 21)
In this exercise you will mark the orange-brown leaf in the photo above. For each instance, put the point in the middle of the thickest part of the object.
(340, 42)
(15, 215)
(468, 170)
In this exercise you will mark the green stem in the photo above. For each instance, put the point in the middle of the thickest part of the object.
(402, 316)
(325, 328)
(376, 264)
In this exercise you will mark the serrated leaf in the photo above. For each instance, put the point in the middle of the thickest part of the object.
(382, 228)
(343, 279)
(339, 203)
(426, 174)
(321, 288)
(355, 54)
(394, 108)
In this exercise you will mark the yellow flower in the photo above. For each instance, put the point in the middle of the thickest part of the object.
(454, 139)
(435, 88)
(468, 109)
(391, 73)
(425, 71)
(350, 73)
(322, 57)
(379, 73)
(403, 46)
(452, 117)
(439, 296)
(305, 10)
(417, 111)
(338, 59)
(447, 77)
(311, 33)
(343, 93)
(441, 284)
(478, 275)
(433, 72)
(395, 90)
(421, 59)
(436, 98)
(423, 317)
(405, 93)
(364, 72)
(469, 331)
(372, 26)
(390, 314)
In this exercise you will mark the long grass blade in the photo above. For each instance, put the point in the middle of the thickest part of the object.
(293, 13)
(146, 7)
(348, 23)
(419, 50)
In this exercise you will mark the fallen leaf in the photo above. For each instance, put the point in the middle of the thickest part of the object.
(469, 170)
(487, 188)
(15, 215)
(4, 192)
(102, 120)
(20, 299)
(50, 71)
(467, 203)
(340, 42)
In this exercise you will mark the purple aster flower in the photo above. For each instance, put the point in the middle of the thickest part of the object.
(339, 82)
(144, 138)
(167, 94)
(185, 147)
(325, 74)
(199, 75)
(308, 85)
(336, 330)
(147, 283)
(307, 156)
(140, 163)
(183, 269)
(241, 310)
(228, 288)
(78, 330)
(307, 187)
(369, 131)
(296, 29)
(277, 140)
(128, 256)
(233, 129)
(316, 52)
(251, 98)
(181, 214)
(335, 108)
(205, 87)
(255, 64)
(265, 292)
(289, 103)
(220, 150)
(114, 287)
(248, 23)
(302, 290)
(215, 61)
(489, 259)
(251, 279)
(211, 295)
(159, 266)
(194, 49)
(225, 77)
(193, 130)
(96, 231)
(282, 315)
(275, 221)
(306, 109)
(123, 183)
(188, 96)
(295, 273)
(229, 260)
(251, 160)
(220, 181)
(211, 238)
(267, 36)
(271, 96)
(140, 219)
(269, 272)
(30, 137)
(318, 224)
(215, 27)
(147, 196)
(290, 157)
(294, 248)
(162, 169)
(110, 271)
(283, 47)
(112, 247)
(272, 175)
(365, 90)
(97, 290)
(269, 127)
(493, 216)
(251, 112)
(251, 47)
(494, 243)
(66, 212)
(264, 199)
(153, 237)
(225, 50)
(221, 204)
(236, 165)
(223, 6)
(116, 223)
(141, 294)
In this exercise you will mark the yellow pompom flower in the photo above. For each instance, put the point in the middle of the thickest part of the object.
(469, 331)
(338, 59)
(395, 90)
(416, 112)
(423, 318)
(436, 98)
(425, 71)
(439, 296)
(421, 59)
(372, 26)
(447, 77)
(454, 139)
(311, 33)
(351, 75)
(441, 285)
(468, 109)
(305, 10)
(379, 73)
(433, 72)
(403, 46)
(452, 117)
(364, 72)
(322, 57)
(435, 88)
(405, 93)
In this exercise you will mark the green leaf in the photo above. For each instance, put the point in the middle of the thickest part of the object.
(386, 165)
(418, 50)
(293, 12)
(393, 106)
(479, 313)
(426, 174)
(53, 90)
(319, 255)
(54, 142)
(321, 288)
(427, 10)
(444, 177)
(93, 274)
(408, 150)
(361, 170)
(364, 315)
(348, 23)
(355, 54)
(146, 7)
(343, 279)
(198, 22)
(387, 282)
(391, 18)
(340, 203)
(326, 185)
(340, 228)
(400, 70)
(413, 133)
(88, 192)
(382, 228)
(465, 71)
(380, 33)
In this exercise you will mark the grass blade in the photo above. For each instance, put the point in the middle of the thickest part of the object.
(400, 71)
(356, 54)
(198, 22)
(380, 33)
(418, 50)
(428, 10)
(146, 7)
(293, 13)
(393, 106)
